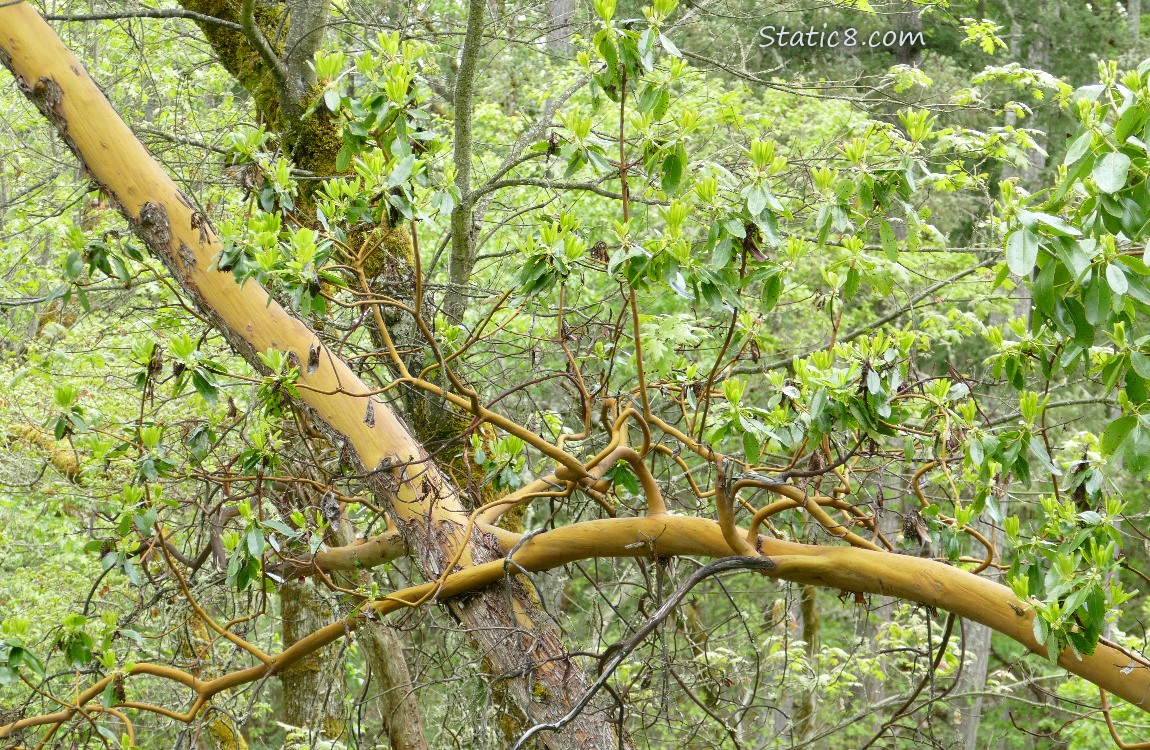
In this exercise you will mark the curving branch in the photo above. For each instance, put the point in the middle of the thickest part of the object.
(460, 553)
(1111, 667)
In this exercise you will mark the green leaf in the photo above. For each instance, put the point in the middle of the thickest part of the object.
(1110, 172)
(255, 542)
(851, 284)
(343, 158)
(1021, 252)
(756, 200)
(283, 528)
(889, 242)
(672, 174)
(402, 171)
(201, 381)
(1117, 279)
(735, 228)
(1136, 387)
(622, 475)
(1056, 225)
(1141, 364)
(1077, 257)
(1079, 148)
(1136, 452)
(120, 270)
(74, 265)
(721, 256)
(772, 290)
(1038, 449)
(1115, 434)
(1128, 123)
(331, 99)
(873, 381)
(751, 447)
(1045, 298)
(1097, 301)
(145, 521)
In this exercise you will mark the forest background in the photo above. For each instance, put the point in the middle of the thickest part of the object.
(563, 300)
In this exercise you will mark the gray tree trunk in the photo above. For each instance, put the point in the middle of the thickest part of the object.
(977, 642)
(313, 689)
(974, 679)
(806, 716)
(391, 679)
(560, 28)
(908, 21)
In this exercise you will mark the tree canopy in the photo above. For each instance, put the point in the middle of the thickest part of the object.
(466, 374)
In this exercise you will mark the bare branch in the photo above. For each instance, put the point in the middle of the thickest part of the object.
(260, 43)
(144, 13)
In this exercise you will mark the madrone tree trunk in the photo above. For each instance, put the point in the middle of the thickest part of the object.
(270, 55)
(271, 58)
(508, 628)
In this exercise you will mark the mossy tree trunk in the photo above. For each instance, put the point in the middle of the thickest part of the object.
(293, 30)
(809, 612)
(314, 688)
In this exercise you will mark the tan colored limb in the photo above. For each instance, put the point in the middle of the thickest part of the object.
(725, 506)
(803, 500)
(1114, 730)
(1111, 667)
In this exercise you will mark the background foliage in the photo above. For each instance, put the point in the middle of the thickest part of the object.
(929, 261)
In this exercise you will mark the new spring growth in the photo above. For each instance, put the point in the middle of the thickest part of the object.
(687, 119)
(1031, 407)
(855, 150)
(328, 65)
(918, 123)
(389, 43)
(578, 123)
(707, 188)
(658, 11)
(675, 215)
(824, 178)
(762, 153)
